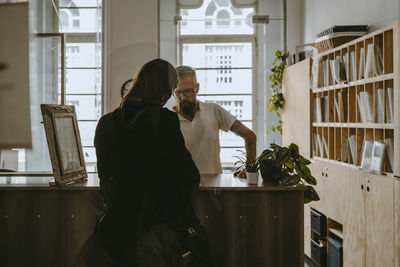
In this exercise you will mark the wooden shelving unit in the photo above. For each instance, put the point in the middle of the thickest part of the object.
(366, 205)
(335, 131)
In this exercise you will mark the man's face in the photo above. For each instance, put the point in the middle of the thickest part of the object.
(185, 93)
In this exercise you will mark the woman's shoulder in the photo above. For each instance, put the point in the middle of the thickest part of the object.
(168, 114)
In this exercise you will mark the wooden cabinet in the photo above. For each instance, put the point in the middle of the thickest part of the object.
(366, 205)
(368, 220)
(379, 220)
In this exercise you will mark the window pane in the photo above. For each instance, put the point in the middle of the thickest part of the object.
(89, 154)
(86, 130)
(227, 154)
(80, 20)
(231, 139)
(239, 106)
(225, 81)
(87, 107)
(217, 55)
(82, 81)
(79, 3)
(217, 17)
(80, 55)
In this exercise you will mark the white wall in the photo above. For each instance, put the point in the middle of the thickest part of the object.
(130, 39)
(321, 14)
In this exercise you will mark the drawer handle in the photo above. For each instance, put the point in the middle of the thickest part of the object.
(368, 188)
(362, 187)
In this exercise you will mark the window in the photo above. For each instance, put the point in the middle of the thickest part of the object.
(81, 21)
(218, 39)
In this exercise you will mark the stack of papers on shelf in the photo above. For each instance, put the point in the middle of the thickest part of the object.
(389, 150)
(346, 66)
(337, 71)
(389, 105)
(318, 110)
(320, 147)
(352, 66)
(361, 65)
(341, 106)
(378, 60)
(366, 156)
(326, 108)
(326, 72)
(365, 106)
(353, 150)
(369, 67)
(378, 153)
(380, 106)
(315, 73)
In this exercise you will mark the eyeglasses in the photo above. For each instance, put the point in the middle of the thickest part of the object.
(186, 92)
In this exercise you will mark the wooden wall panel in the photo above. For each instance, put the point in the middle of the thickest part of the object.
(296, 113)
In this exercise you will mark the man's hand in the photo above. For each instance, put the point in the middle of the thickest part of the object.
(240, 173)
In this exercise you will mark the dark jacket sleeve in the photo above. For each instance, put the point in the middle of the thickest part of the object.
(181, 167)
(103, 145)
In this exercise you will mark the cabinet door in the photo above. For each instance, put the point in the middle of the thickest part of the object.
(354, 219)
(317, 169)
(335, 178)
(379, 220)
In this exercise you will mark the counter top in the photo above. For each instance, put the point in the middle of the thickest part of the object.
(207, 182)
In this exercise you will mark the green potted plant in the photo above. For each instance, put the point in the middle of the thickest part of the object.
(276, 102)
(285, 166)
(251, 166)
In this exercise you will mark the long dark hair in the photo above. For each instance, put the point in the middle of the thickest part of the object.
(153, 84)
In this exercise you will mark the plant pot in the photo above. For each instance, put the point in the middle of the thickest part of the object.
(268, 170)
(252, 177)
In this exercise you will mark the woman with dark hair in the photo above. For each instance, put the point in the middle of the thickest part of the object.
(146, 173)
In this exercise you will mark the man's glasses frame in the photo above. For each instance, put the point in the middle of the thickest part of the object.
(185, 92)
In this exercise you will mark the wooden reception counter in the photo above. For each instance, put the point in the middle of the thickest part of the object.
(248, 225)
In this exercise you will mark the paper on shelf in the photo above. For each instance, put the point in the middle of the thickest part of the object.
(380, 106)
(378, 60)
(352, 66)
(378, 153)
(366, 155)
(353, 151)
(361, 64)
(369, 67)
(389, 105)
(361, 109)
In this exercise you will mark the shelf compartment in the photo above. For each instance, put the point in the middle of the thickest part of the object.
(388, 51)
(354, 83)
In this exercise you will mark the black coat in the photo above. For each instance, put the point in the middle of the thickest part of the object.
(141, 187)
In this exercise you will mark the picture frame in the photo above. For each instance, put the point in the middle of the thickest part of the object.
(64, 142)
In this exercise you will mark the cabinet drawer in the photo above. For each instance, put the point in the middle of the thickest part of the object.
(318, 253)
(318, 223)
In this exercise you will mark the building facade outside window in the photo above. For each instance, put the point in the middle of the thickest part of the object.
(218, 40)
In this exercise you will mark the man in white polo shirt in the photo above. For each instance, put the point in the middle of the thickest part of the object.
(201, 122)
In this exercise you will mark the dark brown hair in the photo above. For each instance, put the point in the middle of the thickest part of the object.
(153, 84)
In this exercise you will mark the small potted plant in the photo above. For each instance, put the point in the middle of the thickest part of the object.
(251, 166)
(285, 166)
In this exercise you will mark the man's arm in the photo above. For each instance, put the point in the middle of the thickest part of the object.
(250, 141)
